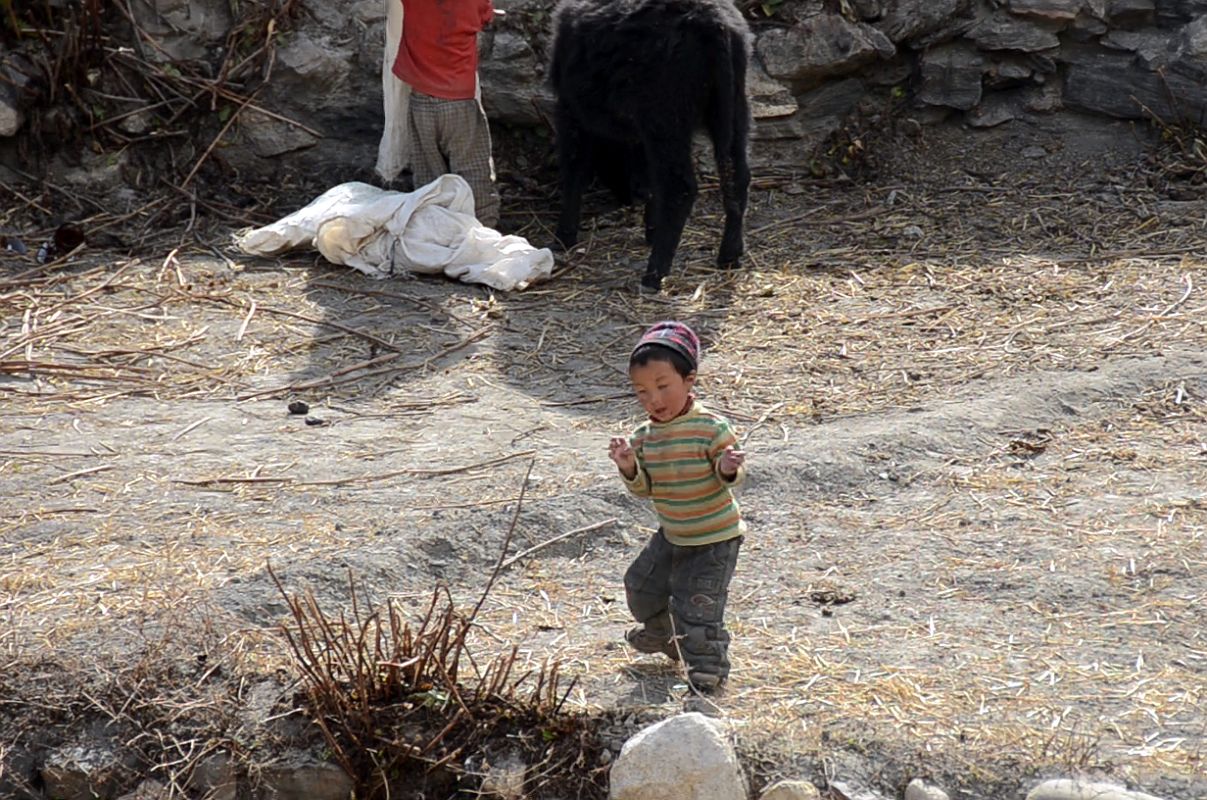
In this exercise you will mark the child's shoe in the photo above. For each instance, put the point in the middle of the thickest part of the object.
(644, 640)
(705, 682)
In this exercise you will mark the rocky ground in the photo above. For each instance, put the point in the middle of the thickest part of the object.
(971, 383)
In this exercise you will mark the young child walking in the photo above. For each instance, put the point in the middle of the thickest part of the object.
(449, 132)
(685, 458)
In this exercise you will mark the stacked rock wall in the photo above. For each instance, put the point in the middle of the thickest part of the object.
(989, 61)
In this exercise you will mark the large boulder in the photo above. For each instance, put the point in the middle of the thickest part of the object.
(513, 79)
(1176, 12)
(906, 20)
(818, 113)
(182, 29)
(1004, 31)
(1118, 85)
(821, 46)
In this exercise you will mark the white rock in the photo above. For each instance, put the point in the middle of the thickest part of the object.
(791, 790)
(11, 117)
(505, 779)
(1068, 789)
(845, 791)
(148, 790)
(919, 789)
(686, 757)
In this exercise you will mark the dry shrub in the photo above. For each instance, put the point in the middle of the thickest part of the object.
(395, 711)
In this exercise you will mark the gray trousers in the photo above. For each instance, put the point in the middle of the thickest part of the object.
(687, 586)
(454, 136)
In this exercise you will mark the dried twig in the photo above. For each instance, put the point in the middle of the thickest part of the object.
(554, 540)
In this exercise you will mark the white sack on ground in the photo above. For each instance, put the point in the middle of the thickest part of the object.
(382, 233)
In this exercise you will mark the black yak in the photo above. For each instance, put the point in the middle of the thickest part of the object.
(633, 80)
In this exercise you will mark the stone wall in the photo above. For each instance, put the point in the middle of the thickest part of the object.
(989, 61)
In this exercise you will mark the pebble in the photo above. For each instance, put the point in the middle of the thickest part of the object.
(919, 789)
(1069, 789)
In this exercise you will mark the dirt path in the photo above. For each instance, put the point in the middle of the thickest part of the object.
(976, 490)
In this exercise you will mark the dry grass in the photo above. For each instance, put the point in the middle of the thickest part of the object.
(844, 312)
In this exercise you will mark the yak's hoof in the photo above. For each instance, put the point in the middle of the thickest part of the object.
(651, 283)
(563, 243)
(730, 259)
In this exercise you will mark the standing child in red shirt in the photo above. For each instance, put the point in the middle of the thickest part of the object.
(438, 59)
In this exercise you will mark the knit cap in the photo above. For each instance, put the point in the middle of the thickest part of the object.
(676, 336)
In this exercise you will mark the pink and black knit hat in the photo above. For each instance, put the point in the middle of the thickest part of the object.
(675, 336)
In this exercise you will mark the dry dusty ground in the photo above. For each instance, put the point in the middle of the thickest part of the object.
(975, 401)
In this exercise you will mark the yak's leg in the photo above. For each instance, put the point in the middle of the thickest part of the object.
(729, 125)
(673, 190)
(734, 172)
(574, 167)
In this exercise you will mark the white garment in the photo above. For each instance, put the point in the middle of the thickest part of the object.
(394, 149)
(382, 233)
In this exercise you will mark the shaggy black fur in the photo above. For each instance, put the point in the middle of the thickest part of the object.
(634, 79)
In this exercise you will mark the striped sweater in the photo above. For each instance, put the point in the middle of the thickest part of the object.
(678, 467)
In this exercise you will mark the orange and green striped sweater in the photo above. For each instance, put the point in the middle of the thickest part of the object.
(677, 467)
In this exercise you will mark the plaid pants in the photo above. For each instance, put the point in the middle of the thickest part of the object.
(454, 136)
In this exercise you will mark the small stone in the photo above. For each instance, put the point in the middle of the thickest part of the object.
(81, 771)
(791, 790)
(315, 421)
(215, 777)
(148, 790)
(299, 407)
(951, 76)
(919, 789)
(912, 232)
(1069, 789)
(11, 116)
(1034, 151)
(1047, 9)
(845, 791)
(304, 779)
(505, 779)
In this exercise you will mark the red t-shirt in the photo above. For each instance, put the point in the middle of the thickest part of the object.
(438, 54)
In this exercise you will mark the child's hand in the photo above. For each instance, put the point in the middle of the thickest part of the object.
(622, 454)
(731, 459)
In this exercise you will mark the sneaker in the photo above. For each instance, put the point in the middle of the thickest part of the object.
(645, 641)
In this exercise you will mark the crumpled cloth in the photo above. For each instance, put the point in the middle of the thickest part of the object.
(384, 233)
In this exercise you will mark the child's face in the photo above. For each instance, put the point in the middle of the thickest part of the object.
(661, 390)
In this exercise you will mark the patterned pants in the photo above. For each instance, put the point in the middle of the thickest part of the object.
(686, 586)
(454, 136)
